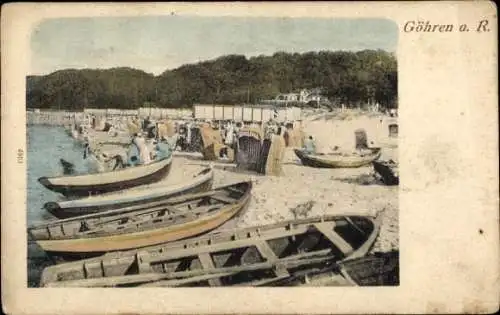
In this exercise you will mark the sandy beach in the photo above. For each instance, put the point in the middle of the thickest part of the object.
(333, 191)
(341, 191)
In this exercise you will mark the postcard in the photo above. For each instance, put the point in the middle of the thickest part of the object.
(258, 158)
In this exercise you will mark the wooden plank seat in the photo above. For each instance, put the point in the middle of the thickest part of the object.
(235, 190)
(207, 263)
(223, 198)
(184, 281)
(327, 230)
(270, 256)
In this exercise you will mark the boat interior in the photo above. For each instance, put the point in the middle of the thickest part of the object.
(143, 217)
(247, 257)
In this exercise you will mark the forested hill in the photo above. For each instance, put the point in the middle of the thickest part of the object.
(345, 77)
(74, 89)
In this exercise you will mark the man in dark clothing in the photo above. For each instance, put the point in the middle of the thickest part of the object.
(145, 124)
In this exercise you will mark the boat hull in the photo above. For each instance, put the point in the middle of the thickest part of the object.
(62, 211)
(85, 190)
(114, 242)
(386, 173)
(348, 162)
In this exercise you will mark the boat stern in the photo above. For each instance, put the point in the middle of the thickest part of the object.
(370, 225)
(298, 153)
(52, 207)
(45, 182)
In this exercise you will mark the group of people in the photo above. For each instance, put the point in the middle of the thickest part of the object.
(98, 162)
(229, 133)
(148, 145)
(144, 150)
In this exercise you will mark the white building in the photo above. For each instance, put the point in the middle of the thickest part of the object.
(304, 96)
(289, 97)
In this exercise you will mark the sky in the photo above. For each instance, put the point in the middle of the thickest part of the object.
(158, 43)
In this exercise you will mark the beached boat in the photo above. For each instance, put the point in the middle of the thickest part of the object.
(140, 196)
(254, 256)
(338, 160)
(128, 228)
(387, 171)
(90, 184)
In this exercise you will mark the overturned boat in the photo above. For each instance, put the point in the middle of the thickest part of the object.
(338, 160)
(134, 227)
(387, 171)
(139, 196)
(254, 256)
(90, 184)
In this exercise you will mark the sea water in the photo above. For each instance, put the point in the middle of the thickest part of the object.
(45, 147)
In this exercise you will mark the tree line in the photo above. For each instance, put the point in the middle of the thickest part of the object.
(348, 78)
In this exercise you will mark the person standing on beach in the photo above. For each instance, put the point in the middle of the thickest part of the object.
(237, 128)
(133, 152)
(140, 141)
(182, 138)
(229, 136)
(270, 130)
(286, 137)
(189, 125)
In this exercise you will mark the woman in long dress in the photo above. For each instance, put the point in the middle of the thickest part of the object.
(143, 149)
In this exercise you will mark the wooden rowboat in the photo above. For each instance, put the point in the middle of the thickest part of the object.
(90, 184)
(337, 160)
(254, 256)
(130, 197)
(387, 172)
(134, 227)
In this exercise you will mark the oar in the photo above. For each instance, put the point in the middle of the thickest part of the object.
(179, 282)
